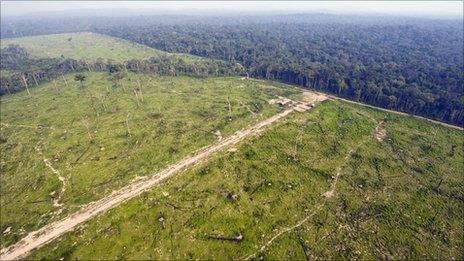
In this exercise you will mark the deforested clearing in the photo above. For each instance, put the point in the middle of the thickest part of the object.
(273, 196)
(273, 137)
(86, 46)
(100, 137)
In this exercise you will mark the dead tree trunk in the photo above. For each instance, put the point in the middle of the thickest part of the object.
(230, 109)
(54, 84)
(236, 238)
(7, 88)
(140, 90)
(136, 97)
(25, 83)
(295, 147)
(127, 125)
(438, 186)
(65, 82)
(86, 124)
(35, 79)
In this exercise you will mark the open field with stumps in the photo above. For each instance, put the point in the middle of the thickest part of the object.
(66, 144)
(339, 181)
(87, 46)
(120, 164)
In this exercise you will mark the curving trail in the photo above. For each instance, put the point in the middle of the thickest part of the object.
(326, 195)
(285, 230)
(56, 201)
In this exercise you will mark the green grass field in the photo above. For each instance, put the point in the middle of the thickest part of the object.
(398, 181)
(86, 46)
(401, 197)
(100, 137)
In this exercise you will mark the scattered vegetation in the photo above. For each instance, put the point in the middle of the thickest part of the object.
(399, 197)
(338, 182)
(100, 137)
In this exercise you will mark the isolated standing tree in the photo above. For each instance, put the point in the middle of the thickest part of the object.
(80, 78)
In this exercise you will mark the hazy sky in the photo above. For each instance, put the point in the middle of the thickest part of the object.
(433, 9)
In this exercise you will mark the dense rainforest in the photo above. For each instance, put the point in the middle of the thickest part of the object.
(410, 65)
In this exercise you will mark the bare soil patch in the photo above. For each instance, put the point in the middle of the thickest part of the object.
(56, 200)
(311, 97)
(380, 133)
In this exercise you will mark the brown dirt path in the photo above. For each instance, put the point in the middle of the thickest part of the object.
(54, 230)
(61, 178)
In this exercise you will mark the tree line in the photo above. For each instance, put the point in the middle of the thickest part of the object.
(25, 71)
(402, 67)
(406, 64)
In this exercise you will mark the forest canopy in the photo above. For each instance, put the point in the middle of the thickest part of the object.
(410, 65)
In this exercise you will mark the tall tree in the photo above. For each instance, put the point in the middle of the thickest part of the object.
(80, 78)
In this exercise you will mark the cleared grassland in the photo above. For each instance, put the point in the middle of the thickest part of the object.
(399, 195)
(86, 46)
(65, 146)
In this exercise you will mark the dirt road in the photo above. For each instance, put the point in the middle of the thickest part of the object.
(369, 106)
(397, 112)
(54, 230)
